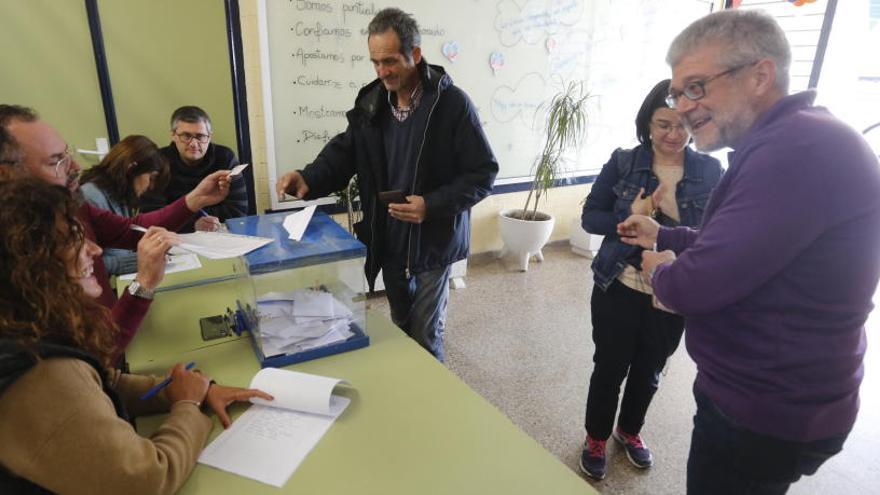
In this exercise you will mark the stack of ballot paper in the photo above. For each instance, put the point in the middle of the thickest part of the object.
(304, 319)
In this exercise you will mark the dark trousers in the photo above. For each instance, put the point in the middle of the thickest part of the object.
(726, 458)
(418, 304)
(633, 340)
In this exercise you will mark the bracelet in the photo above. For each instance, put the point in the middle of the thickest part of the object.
(188, 401)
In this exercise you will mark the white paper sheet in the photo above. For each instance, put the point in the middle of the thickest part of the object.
(176, 263)
(238, 169)
(268, 443)
(296, 223)
(221, 245)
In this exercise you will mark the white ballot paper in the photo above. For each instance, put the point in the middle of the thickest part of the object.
(270, 440)
(220, 245)
(176, 263)
(295, 224)
(238, 169)
(300, 320)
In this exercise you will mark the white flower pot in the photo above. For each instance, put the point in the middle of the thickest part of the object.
(524, 238)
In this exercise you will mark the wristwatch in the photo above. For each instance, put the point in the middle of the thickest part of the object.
(136, 289)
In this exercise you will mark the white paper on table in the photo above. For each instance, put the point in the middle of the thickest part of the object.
(176, 263)
(296, 223)
(238, 169)
(221, 245)
(268, 442)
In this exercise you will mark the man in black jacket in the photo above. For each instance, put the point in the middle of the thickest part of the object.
(410, 130)
(191, 157)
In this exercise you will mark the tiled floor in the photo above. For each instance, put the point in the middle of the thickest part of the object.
(522, 340)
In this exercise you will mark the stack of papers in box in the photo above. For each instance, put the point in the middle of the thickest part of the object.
(304, 319)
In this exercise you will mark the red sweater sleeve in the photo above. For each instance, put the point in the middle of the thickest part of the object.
(112, 230)
(128, 313)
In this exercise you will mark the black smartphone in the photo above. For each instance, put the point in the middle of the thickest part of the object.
(395, 196)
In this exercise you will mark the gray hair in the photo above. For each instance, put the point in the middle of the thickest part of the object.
(191, 115)
(746, 37)
(403, 24)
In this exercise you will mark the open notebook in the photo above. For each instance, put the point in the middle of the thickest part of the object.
(269, 441)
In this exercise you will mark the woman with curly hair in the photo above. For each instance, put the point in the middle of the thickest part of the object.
(133, 167)
(63, 410)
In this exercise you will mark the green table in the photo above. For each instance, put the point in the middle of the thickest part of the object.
(412, 426)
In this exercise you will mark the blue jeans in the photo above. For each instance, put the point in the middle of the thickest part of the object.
(726, 458)
(418, 305)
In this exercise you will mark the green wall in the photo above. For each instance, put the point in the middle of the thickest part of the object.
(48, 64)
(161, 54)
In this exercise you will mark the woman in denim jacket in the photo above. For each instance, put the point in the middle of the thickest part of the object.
(663, 178)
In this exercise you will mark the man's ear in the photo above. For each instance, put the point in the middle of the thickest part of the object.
(764, 76)
(417, 54)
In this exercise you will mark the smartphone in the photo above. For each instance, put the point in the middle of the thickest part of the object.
(395, 196)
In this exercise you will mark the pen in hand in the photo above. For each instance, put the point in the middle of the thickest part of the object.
(164, 383)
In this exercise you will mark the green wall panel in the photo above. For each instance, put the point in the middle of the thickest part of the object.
(163, 54)
(48, 64)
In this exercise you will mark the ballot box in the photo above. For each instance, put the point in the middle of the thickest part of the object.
(300, 300)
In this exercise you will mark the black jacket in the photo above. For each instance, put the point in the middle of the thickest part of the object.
(455, 170)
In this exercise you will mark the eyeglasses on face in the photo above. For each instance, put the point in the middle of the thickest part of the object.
(696, 90)
(63, 163)
(187, 137)
(667, 127)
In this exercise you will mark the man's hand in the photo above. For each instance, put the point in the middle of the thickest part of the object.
(219, 397)
(642, 205)
(639, 230)
(207, 224)
(211, 190)
(413, 212)
(291, 183)
(151, 256)
(652, 259)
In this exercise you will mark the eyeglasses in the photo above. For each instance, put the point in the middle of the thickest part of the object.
(62, 163)
(187, 137)
(696, 90)
(667, 127)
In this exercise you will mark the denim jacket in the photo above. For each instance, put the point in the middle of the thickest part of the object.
(615, 189)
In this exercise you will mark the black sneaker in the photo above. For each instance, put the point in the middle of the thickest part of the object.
(593, 458)
(638, 453)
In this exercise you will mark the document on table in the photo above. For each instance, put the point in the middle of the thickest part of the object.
(296, 223)
(270, 440)
(220, 245)
(176, 263)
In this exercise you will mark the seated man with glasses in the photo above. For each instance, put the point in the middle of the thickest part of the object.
(191, 157)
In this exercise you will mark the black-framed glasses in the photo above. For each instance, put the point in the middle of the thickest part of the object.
(186, 137)
(696, 90)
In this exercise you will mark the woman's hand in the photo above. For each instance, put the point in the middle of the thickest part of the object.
(186, 385)
(220, 396)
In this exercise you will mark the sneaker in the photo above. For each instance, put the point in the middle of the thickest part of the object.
(593, 458)
(638, 453)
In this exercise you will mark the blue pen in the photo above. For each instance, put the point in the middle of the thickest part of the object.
(155, 390)
(203, 213)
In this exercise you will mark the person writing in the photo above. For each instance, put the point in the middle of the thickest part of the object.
(131, 168)
(778, 282)
(63, 412)
(663, 178)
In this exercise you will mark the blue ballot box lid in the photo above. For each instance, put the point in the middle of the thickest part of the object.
(324, 241)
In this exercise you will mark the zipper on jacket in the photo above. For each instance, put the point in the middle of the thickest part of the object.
(415, 177)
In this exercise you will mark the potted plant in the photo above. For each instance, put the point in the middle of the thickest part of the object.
(525, 230)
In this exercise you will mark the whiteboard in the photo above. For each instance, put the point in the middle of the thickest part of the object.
(509, 56)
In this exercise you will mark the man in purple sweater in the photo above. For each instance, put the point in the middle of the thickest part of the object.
(777, 284)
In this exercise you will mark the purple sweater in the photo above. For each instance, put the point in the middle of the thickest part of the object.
(777, 285)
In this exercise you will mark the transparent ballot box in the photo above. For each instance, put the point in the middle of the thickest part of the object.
(300, 300)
